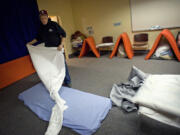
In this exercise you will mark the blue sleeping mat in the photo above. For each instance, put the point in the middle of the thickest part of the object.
(85, 111)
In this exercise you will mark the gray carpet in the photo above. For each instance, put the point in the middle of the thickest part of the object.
(95, 76)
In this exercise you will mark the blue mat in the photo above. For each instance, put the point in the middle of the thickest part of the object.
(85, 112)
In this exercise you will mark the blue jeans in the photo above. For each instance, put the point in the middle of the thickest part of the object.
(67, 79)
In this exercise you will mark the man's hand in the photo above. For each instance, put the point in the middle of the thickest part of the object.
(29, 43)
(60, 47)
(32, 42)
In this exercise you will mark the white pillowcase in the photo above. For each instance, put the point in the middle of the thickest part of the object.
(160, 93)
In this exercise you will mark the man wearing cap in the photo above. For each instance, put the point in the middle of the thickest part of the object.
(53, 36)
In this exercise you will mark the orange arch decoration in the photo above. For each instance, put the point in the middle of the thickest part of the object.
(169, 36)
(127, 46)
(89, 43)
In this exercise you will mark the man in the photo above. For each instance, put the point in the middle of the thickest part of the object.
(53, 36)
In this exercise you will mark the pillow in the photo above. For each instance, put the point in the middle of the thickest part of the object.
(160, 93)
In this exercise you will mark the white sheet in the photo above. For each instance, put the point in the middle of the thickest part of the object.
(161, 49)
(104, 45)
(49, 65)
(161, 117)
(161, 93)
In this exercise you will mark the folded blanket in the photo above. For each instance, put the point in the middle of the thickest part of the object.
(121, 94)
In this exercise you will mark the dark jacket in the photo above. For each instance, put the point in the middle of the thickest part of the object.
(50, 34)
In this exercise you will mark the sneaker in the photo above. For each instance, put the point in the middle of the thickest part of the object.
(67, 85)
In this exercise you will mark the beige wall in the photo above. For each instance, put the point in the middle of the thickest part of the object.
(101, 14)
(63, 9)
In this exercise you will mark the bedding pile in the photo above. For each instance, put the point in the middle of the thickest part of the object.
(164, 52)
(122, 94)
(158, 96)
(83, 112)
